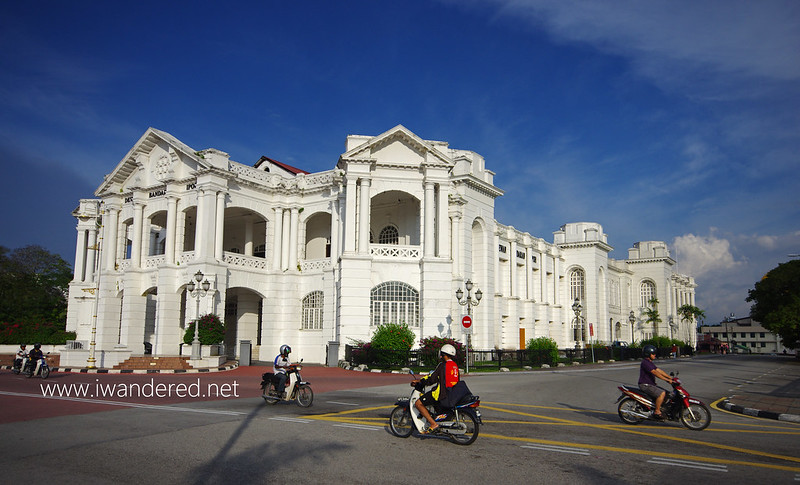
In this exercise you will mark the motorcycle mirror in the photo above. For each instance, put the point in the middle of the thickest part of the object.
(672, 374)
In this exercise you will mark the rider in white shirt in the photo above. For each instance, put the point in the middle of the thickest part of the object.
(281, 364)
(22, 356)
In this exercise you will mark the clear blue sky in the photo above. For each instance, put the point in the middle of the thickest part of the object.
(662, 120)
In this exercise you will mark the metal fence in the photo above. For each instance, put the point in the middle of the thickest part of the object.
(496, 359)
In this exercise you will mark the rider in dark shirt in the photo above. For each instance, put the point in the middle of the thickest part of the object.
(647, 382)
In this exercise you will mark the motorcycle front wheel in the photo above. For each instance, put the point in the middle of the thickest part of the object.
(465, 422)
(265, 390)
(45, 372)
(626, 409)
(696, 417)
(400, 422)
(305, 396)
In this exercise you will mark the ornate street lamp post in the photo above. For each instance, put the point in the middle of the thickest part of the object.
(632, 321)
(578, 334)
(469, 303)
(190, 287)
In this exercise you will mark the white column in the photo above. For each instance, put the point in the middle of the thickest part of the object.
(556, 292)
(199, 226)
(334, 231)
(498, 287)
(248, 237)
(276, 238)
(136, 244)
(80, 254)
(350, 217)
(543, 276)
(363, 217)
(457, 251)
(172, 224)
(91, 255)
(293, 226)
(443, 237)
(219, 227)
(110, 232)
(512, 268)
(430, 211)
(528, 275)
(285, 240)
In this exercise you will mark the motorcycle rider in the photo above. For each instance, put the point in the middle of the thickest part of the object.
(647, 382)
(35, 358)
(21, 357)
(280, 366)
(449, 390)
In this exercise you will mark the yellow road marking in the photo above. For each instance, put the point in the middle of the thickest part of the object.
(345, 417)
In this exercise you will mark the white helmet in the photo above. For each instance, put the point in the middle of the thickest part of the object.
(448, 349)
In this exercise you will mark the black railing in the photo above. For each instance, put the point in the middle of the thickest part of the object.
(496, 359)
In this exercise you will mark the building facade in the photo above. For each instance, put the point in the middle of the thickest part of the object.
(318, 260)
(743, 335)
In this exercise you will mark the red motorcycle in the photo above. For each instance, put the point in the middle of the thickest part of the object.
(635, 406)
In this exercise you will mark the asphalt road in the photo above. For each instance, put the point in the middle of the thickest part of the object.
(557, 426)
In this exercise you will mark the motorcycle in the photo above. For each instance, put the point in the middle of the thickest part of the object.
(30, 367)
(635, 406)
(19, 364)
(296, 388)
(460, 424)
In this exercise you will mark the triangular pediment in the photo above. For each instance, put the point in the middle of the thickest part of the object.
(156, 158)
(399, 146)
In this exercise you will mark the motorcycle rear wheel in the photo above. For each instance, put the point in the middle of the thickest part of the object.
(305, 396)
(265, 390)
(701, 419)
(400, 422)
(469, 424)
(628, 406)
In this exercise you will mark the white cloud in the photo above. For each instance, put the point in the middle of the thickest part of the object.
(700, 255)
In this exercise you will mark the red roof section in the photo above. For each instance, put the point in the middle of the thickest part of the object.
(282, 165)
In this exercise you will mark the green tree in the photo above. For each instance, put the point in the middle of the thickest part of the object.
(651, 312)
(33, 285)
(776, 302)
(542, 350)
(689, 313)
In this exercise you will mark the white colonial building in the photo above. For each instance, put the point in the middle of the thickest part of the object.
(317, 260)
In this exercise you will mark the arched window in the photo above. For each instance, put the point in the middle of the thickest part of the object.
(577, 284)
(312, 311)
(389, 235)
(394, 302)
(647, 291)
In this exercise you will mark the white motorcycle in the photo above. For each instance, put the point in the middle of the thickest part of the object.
(296, 388)
(460, 423)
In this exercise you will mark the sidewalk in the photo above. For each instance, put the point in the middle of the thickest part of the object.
(774, 395)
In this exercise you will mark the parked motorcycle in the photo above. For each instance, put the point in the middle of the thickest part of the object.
(296, 388)
(460, 424)
(635, 406)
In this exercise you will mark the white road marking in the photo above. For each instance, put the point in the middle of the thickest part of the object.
(342, 403)
(359, 426)
(559, 449)
(291, 420)
(688, 464)
(155, 407)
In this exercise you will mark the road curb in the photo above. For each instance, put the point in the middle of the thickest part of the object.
(84, 370)
(758, 413)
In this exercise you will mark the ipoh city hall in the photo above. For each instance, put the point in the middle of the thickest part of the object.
(319, 260)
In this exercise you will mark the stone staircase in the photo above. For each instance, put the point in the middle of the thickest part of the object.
(147, 362)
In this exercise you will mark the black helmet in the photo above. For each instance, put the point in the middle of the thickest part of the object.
(286, 350)
(22, 346)
(648, 350)
(37, 346)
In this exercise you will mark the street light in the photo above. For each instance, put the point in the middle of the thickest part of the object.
(577, 308)
(469, 303)
(190, 287)
(632, 321)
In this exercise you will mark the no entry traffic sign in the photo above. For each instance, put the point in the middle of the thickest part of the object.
(466, 320)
